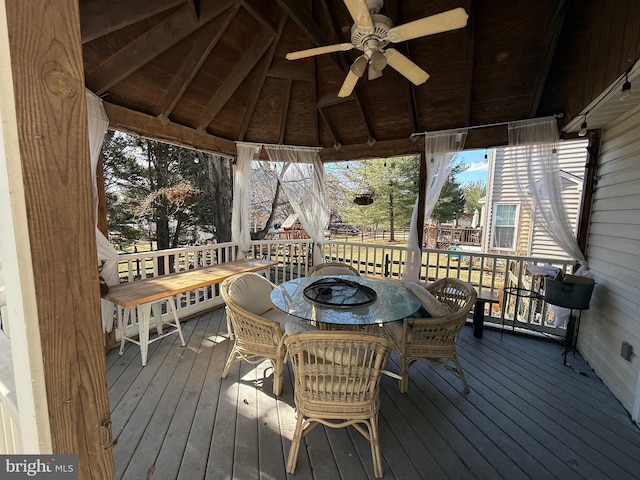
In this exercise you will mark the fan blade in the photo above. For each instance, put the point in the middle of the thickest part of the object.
(442, 22)
(348, 85)
(360, 14)
(406, 67)
(374, 72)
(338, 47)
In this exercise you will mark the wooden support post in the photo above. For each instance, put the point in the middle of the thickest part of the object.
(56, 314)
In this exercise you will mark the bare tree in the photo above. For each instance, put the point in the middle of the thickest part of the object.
(215, 210)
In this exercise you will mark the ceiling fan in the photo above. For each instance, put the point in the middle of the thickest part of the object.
(372, 32)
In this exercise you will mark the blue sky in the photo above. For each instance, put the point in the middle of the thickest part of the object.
(477, 169)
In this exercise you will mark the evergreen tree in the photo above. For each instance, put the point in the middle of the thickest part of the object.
(392, 183)
(169, 193)
(451, 200)
(124, 180)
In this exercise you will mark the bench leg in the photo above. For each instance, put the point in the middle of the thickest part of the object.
(144, 318)
(124, 316)
(172, 307)
(156, 308)
(478, 318)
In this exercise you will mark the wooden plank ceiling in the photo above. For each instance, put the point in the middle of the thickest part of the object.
(208, 73)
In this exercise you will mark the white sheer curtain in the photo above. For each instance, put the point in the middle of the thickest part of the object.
(440, 151)
(302, 180)
(97, 123)
(240, 219)
(537, 176)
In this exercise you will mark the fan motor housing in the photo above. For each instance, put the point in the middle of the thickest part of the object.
(381, 26)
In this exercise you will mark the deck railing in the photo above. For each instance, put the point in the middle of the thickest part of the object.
(445, 237)
(486, 272)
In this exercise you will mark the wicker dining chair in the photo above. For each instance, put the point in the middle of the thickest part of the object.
(337, 384)
(434, 339)
(331, 268)
(254, 324)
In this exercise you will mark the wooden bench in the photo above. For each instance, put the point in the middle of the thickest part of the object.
(148, 293)
(484, 297)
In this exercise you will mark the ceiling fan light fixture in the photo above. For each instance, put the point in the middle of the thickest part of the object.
(378, 60)
(374, 6)
(359, 66)
(373, 73)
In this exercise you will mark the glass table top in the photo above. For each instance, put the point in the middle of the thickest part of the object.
(393, 302)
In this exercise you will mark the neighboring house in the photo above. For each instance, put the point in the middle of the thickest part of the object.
(506, 221)
(291, 228)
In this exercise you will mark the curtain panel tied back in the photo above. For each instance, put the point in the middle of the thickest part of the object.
(301, 176)
(536, 174)
(97, 124)
(441, 149)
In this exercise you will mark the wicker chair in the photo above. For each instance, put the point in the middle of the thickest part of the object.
(254, 324)
(332, 268)
(434, 339)
(337, 384)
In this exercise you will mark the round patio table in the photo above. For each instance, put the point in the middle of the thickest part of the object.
(393, 302)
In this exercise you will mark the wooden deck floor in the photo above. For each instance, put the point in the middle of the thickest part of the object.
(527, 416)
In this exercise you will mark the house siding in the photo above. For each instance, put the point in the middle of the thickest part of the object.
(613, 252)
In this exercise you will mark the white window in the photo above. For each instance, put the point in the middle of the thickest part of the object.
(505, 222)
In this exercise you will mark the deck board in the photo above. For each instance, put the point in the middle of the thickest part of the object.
(590, 440)
(527, 416)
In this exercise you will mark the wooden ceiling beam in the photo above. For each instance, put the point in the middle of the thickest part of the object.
(470, 37)
(130, 121)
(302, 17)
(381, 149)
(146, 47)
(316, 116)
(262, 76)
(290, 72)
(249, 59)
(477, 138)
(364, 114)
(100, 17)
(412, 105)
(207, 40)
(285, 111)
(258, 13)
(552, 36)
(331, 99)
(337, 141)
